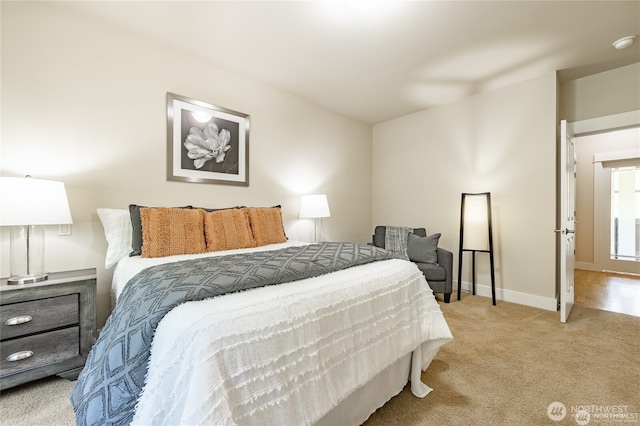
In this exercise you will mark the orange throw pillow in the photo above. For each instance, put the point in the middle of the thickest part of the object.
(170, 231)
(228, 230)
(266, 225)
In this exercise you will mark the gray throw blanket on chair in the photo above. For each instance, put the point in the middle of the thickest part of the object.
(114, 375)
(395, 241)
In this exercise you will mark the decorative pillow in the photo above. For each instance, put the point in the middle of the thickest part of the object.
(136, 225)
(208, 209)
(227, 230)
(423, 249)
(171, 231)
(266, 225)
(117, 230)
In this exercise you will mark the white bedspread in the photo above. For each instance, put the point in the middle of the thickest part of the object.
(287, 354)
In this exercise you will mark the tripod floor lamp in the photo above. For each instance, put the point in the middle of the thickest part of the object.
(476, 235)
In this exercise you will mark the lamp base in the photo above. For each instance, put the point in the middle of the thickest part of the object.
(27, 279)
(27, 254)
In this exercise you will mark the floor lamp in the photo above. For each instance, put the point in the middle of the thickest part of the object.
(476, 235)
(314, 207)
(27, 205)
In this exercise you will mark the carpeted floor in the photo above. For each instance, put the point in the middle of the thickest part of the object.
(43, 402)
(506, 365)
(509, 362)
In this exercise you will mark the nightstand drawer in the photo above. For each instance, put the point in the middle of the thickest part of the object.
(38, 315)
(54, 326)
(38, 350)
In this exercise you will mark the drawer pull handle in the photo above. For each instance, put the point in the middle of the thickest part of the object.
(17, 356)
(18, 320)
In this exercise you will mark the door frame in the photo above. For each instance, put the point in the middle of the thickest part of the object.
(605, 124)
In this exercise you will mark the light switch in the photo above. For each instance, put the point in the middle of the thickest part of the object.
(65, 230)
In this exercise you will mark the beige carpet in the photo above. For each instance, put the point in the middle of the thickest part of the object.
(506, 365)
(509, 362)
(39, 403)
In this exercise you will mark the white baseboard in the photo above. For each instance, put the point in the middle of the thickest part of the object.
(540, 302)
(587, 266)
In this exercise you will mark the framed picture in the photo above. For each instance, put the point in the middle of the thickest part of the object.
(206, 143)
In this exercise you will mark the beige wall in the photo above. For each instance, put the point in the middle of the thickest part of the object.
(599, 95)
(85, 103)
(502, 141)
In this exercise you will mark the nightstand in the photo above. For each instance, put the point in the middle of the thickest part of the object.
(47, 327)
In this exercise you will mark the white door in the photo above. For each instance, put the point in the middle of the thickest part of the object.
(566, 233)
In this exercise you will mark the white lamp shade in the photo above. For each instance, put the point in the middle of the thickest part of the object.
(314, 206)
(476, 222)
(29, 201)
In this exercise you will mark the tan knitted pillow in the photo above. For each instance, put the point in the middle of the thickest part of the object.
(228, 230)
(266, 225)
(169, 231)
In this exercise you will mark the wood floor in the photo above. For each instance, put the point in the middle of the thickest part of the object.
(608, 291)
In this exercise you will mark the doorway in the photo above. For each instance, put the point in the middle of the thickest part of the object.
(600, 280)
(598, 232)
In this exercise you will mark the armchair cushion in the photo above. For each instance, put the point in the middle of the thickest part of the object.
(423, 249)
(431, 271)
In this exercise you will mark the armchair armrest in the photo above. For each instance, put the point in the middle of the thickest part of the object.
(445, 259)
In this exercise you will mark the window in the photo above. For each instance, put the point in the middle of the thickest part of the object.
(625, 213)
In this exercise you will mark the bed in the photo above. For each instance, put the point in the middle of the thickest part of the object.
(329, 349)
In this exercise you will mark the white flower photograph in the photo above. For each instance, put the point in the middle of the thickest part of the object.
(206, 143)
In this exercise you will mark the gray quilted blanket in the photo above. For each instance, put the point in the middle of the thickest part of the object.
(113, 377)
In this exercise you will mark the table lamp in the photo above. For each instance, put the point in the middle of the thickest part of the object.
(27, 205)
(314, 207)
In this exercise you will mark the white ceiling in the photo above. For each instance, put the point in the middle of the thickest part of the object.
(392, 59)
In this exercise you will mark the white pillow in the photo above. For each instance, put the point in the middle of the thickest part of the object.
(117, 230)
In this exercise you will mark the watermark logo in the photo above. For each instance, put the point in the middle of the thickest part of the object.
(582, 417)
(556, 411)
(591, 414)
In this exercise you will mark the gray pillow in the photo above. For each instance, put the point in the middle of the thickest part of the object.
(423, 249)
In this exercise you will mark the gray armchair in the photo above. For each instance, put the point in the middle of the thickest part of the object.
(439, 276)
